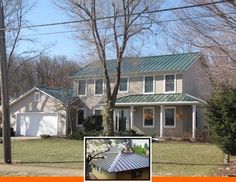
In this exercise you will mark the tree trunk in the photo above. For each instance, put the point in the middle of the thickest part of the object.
(108, 120)
(226, 159)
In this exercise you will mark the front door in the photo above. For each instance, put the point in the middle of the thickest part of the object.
(122, 119)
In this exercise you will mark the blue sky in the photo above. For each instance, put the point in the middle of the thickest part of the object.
(45, 11)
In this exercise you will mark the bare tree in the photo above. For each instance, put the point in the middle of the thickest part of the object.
(212, 30)
(55, 71)
(125, 21)
(15, 12)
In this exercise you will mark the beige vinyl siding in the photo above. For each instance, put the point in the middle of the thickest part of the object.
(196, 82)
(179, 83)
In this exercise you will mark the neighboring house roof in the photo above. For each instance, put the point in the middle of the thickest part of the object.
(151, 64)
(120, 161)
(175, 98)
(64, 96)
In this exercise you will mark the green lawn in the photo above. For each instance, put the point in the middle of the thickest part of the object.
(169, 158)
(183, 159)
(48, 152)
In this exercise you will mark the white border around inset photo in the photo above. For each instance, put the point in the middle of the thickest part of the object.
(120, 137)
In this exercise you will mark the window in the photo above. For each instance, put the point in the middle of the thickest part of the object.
(123, 85)
(98, 112)
(148, 117)
(80, 117)
(81, 87)
(148, 84)
(98, 87)
(170, 117)
(170, 83)
(36, 96)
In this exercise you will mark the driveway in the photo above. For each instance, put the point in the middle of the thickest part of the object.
(24, 138)
(19, 170)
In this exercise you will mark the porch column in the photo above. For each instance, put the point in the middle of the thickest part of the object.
(161, 120)
(194, 122)
(131, 117)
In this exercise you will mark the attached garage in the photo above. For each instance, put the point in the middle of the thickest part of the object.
(36, 124)
(40, 111)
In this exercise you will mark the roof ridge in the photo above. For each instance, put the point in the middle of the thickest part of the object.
(170, 54)
(113, 165)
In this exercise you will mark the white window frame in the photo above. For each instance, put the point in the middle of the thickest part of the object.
(80, 109)
(166, 126)
(97, 109)
(165, 83)
(35, 98)
(103, 88)
(154, 85)
(78, 87)
(153, 125)
(126, 91)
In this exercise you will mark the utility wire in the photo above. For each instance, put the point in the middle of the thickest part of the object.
(109, 17)
(110, 27)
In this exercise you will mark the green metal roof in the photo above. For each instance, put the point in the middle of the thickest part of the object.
(63, 95)
(151, 64)
(178, 98)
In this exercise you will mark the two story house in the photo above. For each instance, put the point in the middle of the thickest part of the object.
(162, 95)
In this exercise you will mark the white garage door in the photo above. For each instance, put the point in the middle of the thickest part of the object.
(36, 124)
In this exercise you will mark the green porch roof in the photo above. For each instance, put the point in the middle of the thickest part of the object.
(151, 64)
(152, 99)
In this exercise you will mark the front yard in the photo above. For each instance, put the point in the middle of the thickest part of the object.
(170, 158)
(59, 153)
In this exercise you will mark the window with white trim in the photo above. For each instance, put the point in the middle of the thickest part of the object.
(169, 83)
(148, 84)
(80, 116)
(123, 85)
(170, 117)
(37, 96)
(148, 116)
(99, 86)
(81, 87)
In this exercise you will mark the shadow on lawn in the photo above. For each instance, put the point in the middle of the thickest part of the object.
(49, 162)
(191, 164)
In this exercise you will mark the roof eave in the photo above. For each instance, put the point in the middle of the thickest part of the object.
(160, 103)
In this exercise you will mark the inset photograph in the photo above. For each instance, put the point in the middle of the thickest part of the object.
(120, 158)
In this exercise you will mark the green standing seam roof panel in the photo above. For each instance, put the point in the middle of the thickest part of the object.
(157, 98)
(173, 62)
(64, 95)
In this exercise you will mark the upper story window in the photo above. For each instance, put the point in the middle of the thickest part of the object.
(98, 87)
(37, 96)
(148, 84)
(123, 85)
(81, 87)
(169, 83)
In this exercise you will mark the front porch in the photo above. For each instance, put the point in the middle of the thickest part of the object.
(163, 115)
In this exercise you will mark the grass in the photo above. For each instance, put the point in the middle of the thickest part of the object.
(186, 159)
(172, 158)
(48, 152)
